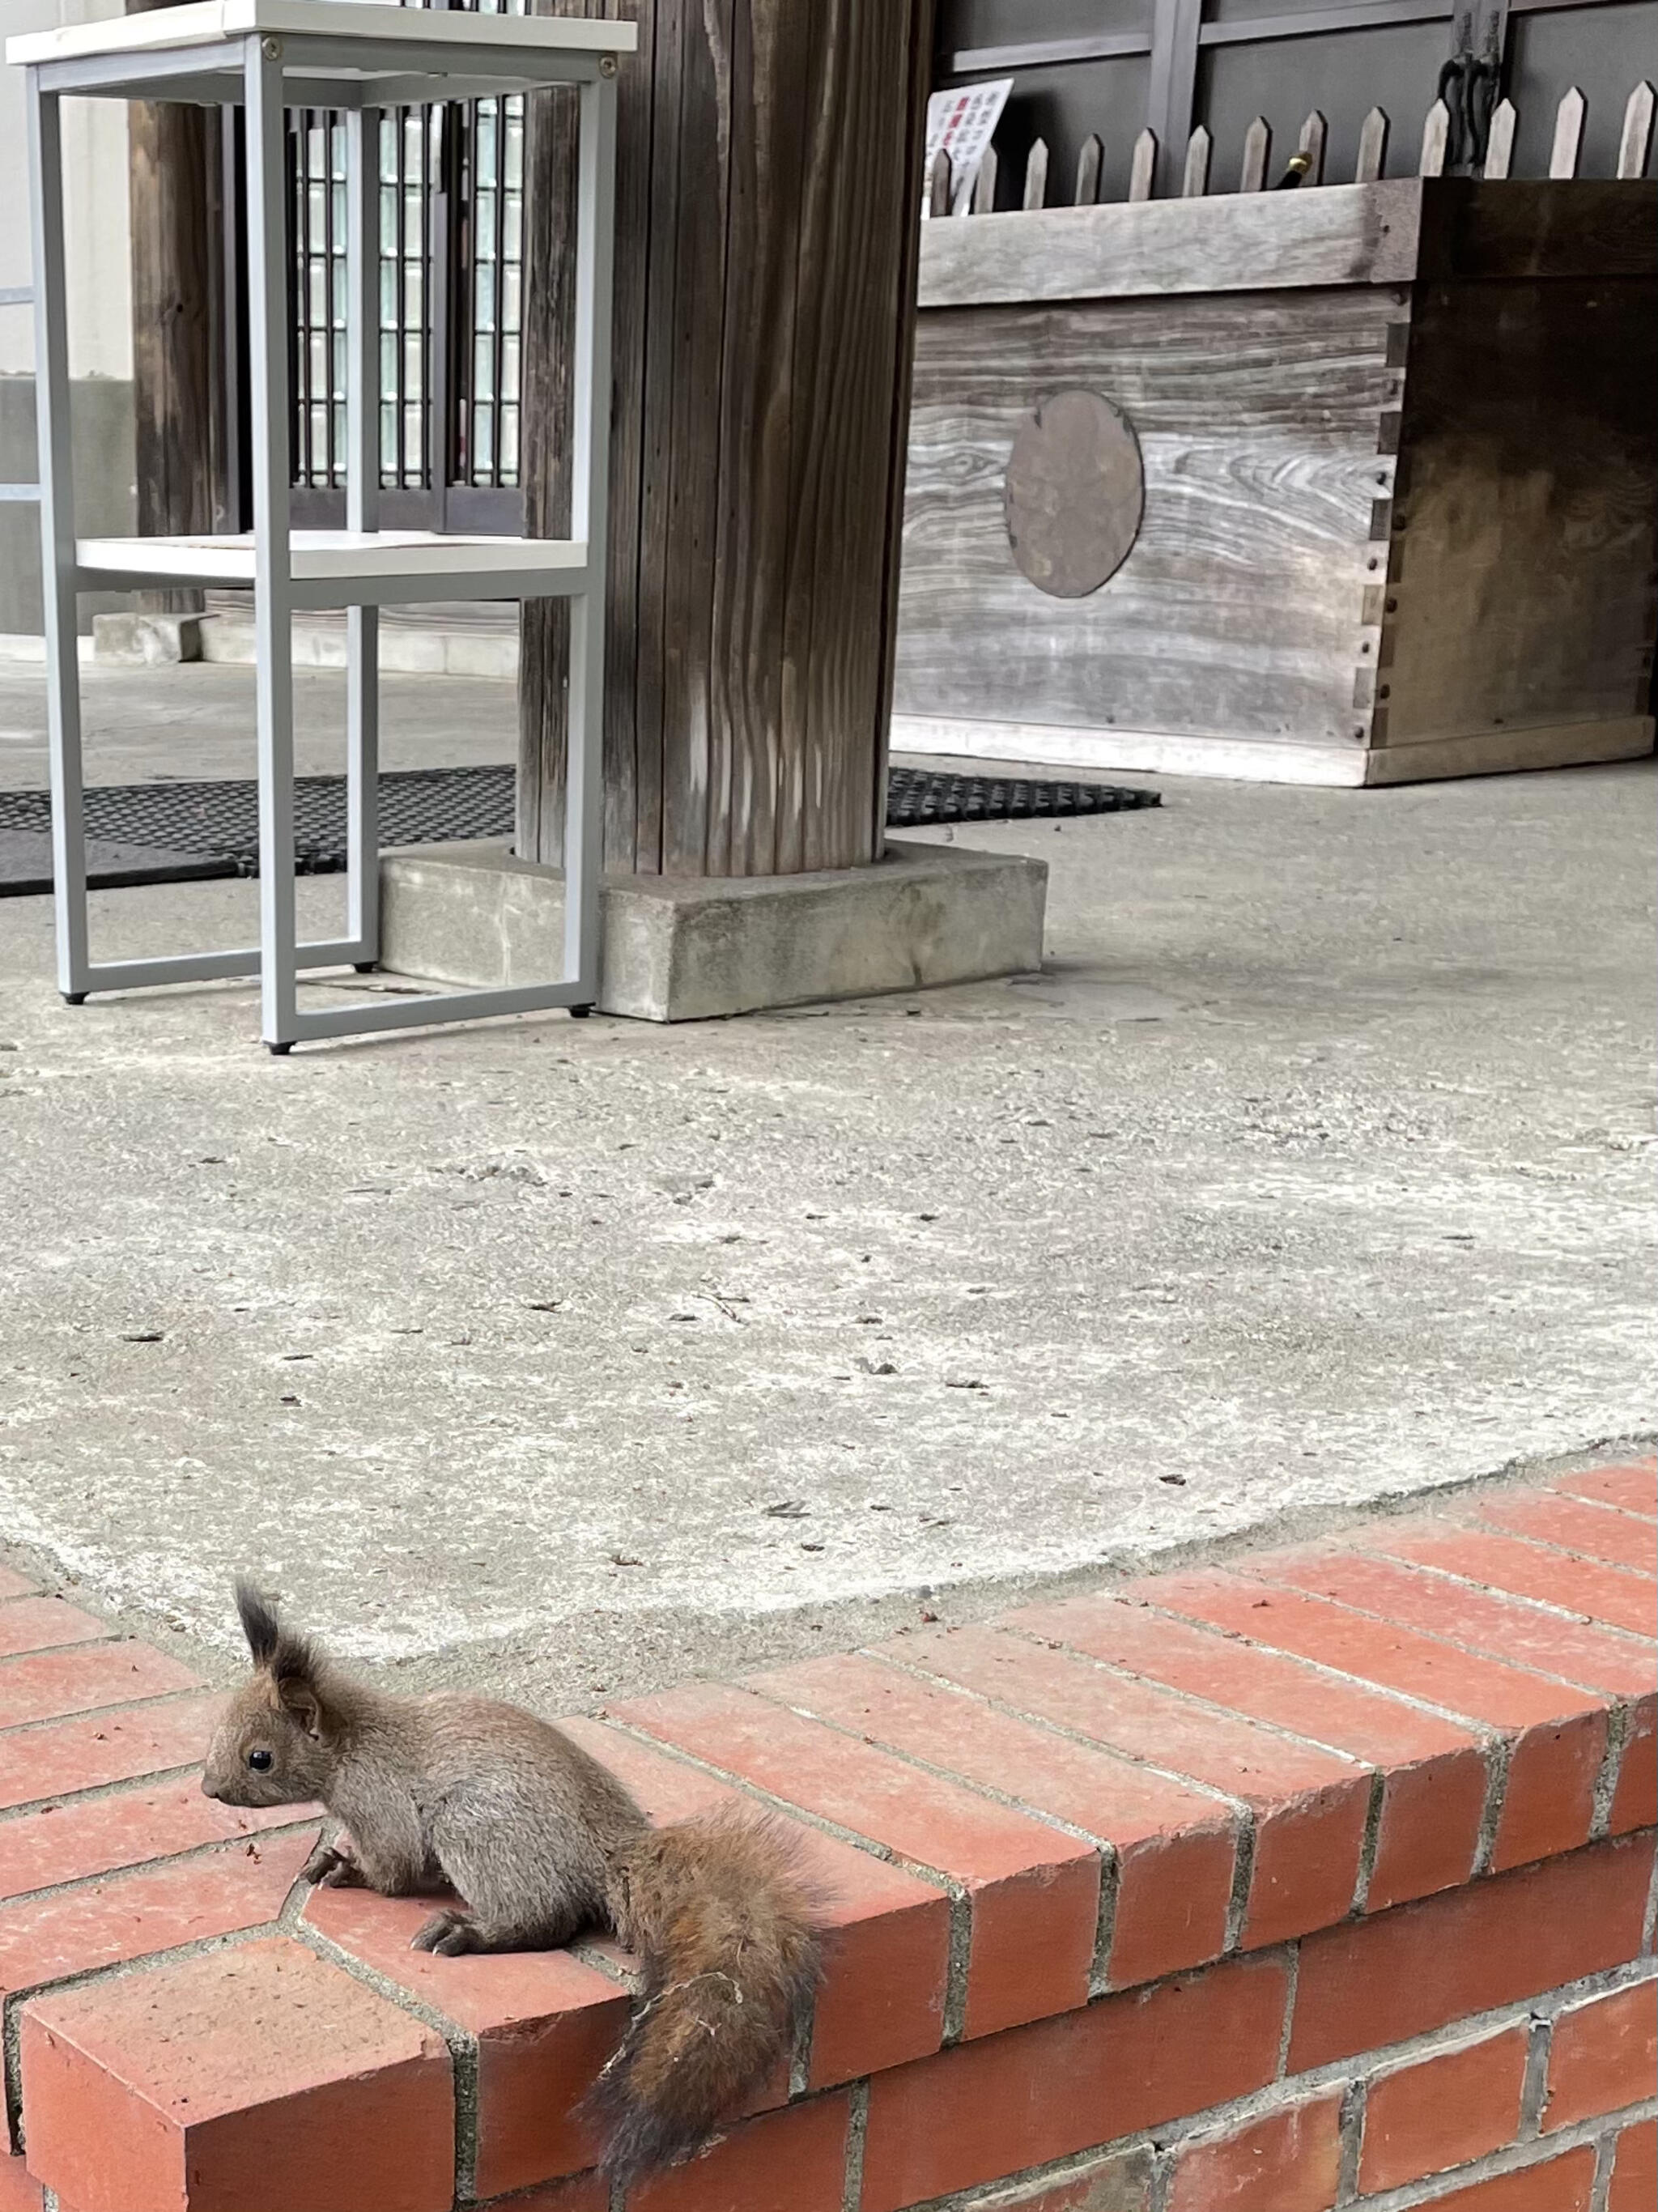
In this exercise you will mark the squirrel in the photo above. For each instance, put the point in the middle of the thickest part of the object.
(540, 1841)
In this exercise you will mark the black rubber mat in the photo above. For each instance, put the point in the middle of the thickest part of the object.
(171, 832)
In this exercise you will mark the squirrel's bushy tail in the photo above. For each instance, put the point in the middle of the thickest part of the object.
(725, 1926)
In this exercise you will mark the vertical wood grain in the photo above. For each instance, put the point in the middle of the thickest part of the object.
(1314, 132)
(1436, 139)
(1195, 182)
(1143, 166)
(1372, 147)
(1257, 153)
(771, 165)
(1036, 176)
(939, 185)
(1088, 172)
(1635, 141)
(1499, 146)
(1568, 145)
(171, 148)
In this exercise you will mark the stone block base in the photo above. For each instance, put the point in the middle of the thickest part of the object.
(137, 641)
(692, 949)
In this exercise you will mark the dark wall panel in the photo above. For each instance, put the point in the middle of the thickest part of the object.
(1605, 51)
(1342, 74)
(1605, 46)
(1066, 105)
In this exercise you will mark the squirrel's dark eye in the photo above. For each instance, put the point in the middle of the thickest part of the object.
(260, 1761)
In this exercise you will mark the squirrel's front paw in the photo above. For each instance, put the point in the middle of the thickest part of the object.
(448, 1934)
(331, 1866)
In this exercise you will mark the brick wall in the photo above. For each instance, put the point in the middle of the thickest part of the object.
(1323, 1878)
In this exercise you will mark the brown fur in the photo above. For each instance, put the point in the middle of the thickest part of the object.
(726, 1925)
(541, 1841)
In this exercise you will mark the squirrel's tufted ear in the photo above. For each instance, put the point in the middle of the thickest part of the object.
(291, 1660)
(259, 1623)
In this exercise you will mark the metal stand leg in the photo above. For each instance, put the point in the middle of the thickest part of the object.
(272, 590)
(58, 548)
(363, 142)
(584, 786)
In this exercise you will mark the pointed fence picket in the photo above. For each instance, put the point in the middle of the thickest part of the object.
(1310, 166)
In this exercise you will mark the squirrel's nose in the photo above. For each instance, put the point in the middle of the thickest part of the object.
(208, 1789)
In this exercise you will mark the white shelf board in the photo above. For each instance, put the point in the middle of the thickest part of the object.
(213, 23)
(323, 556)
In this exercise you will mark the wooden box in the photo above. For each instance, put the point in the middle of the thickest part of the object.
(1399, 444)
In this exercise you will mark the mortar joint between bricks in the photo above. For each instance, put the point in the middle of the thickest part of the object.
(218, 1847)
(1161, 2179)
(958, 1959)
(1048, 1727)
(802, 2032)
(1649, 1925)
(1605, 1782)
(1105, 1923)
(125, 1785)
(1370, 1842)
(1291, 1990)
(1497, 1751)
(761, 1795)
(1299, 1737)
(933, 1876)
(1534, 2085)
(1348, 1680)
(857, 2134)
(122, 1707)
(1601, 2188)
(1027, 1805)
(461, 2044)
(1513, 2158)
(1354, 2099)
(1243, 1874)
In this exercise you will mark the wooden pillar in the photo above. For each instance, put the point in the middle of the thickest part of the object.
(768, 190)
(172, 153)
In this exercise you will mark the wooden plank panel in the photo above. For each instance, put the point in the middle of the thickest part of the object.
(1087, 173)
(1499, 146)
(1372, 147)
(1634, 140)
(771, 165)
(768, 106)
(695, 345)
(1257, 153)
(632, 772)
(1526, 576)
(856, 270)
(1237, 612)
(171, 148)
(1340, 234)
(1534, 226)
(1194, 183)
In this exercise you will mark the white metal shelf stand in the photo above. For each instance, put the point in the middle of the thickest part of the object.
(362, 59)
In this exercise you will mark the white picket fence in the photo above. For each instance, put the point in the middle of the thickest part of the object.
(1634, 148)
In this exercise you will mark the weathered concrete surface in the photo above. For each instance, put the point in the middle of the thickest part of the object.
(1317, 1168)
(691, 949)
(197, 721)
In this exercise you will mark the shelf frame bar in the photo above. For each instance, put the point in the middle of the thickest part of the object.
(270, 73)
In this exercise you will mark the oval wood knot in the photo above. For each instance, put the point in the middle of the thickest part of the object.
(1075, 493)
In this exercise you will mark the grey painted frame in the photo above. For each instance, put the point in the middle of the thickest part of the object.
(266, 74)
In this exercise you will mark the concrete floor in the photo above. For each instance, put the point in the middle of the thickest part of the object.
(143, 726)
(1314, 1169)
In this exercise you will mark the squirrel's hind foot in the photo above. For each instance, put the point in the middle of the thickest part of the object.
(449, 1935)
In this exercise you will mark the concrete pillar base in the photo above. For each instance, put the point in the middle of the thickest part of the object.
(680, 949)
(135, 641)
